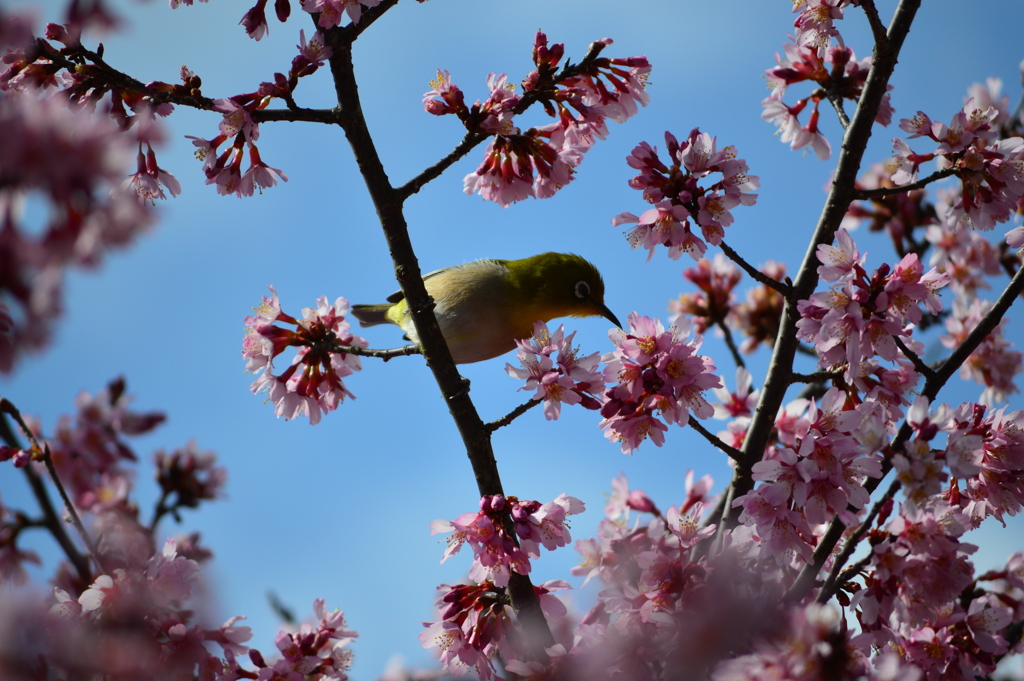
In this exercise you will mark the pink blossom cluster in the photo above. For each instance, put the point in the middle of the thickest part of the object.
(90, 453)
(994, 364)
(990, 168)
(921, 612)
(816, 23)
(756, 317)
(659, 379)
(678, 198)
(539, 162)
(35, 65)
(568, 379)
(911, 601)
(313, 383)
(69, 161)
(497, 552)
(815, 476)
(224, 169)
(477, 627)
(476, 622)
(833, 69)
(861, 317)
(714, 299)
(986, 452)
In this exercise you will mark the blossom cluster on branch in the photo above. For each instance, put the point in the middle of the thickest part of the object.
(677, 197)
(312, 384)
(542, 160)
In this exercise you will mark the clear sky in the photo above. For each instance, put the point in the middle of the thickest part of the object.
(342, 510)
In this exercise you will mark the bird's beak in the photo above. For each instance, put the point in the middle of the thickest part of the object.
(607, 314)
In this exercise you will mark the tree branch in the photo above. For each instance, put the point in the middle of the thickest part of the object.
(731, 344)
(755, 273)
(51, 519)
(816, 377)
(388, 202)
(864, 194)
(841, 193)
(918, 363)
(731, 452)
(388, 354)
(512, 415)
(42, 451)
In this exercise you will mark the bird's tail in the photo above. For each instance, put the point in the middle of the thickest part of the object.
(371, 315)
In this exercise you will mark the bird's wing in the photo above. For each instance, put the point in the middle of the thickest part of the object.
(398, 295)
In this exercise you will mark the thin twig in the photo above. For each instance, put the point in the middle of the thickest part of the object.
(918, 363)
(75, 520)
(852, 541)
(836, 100)
(512, 415)
(731, 344)
(50, 516)
(471, 140)
(387, 354)
(850, 572)
(877, 27)
(816, 377)
(730, 451)
(42, 452)
(864, 194)
(755, 273)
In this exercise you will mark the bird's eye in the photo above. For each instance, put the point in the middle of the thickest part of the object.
(582, 290)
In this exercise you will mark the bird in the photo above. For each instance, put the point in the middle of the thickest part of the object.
(483, 307)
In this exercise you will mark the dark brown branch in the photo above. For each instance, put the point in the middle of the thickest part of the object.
(389, 205)
(831, 93)
(816, 377)
(863, 194)
(329, 116)
(730, 451)
(51, 519)
(731, 344)
(388, 354)
(755, 273)
(512, 415)
(42, 452)
(918, 363)
(877, 27)
(471, 140)
(841, 194)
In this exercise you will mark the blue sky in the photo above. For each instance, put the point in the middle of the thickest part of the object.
(342, 510)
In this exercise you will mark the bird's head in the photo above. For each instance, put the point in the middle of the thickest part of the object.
(568, 286)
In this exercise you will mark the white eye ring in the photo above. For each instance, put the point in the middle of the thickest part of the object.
(582, 290)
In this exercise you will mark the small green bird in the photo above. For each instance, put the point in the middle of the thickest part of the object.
(482, 307)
